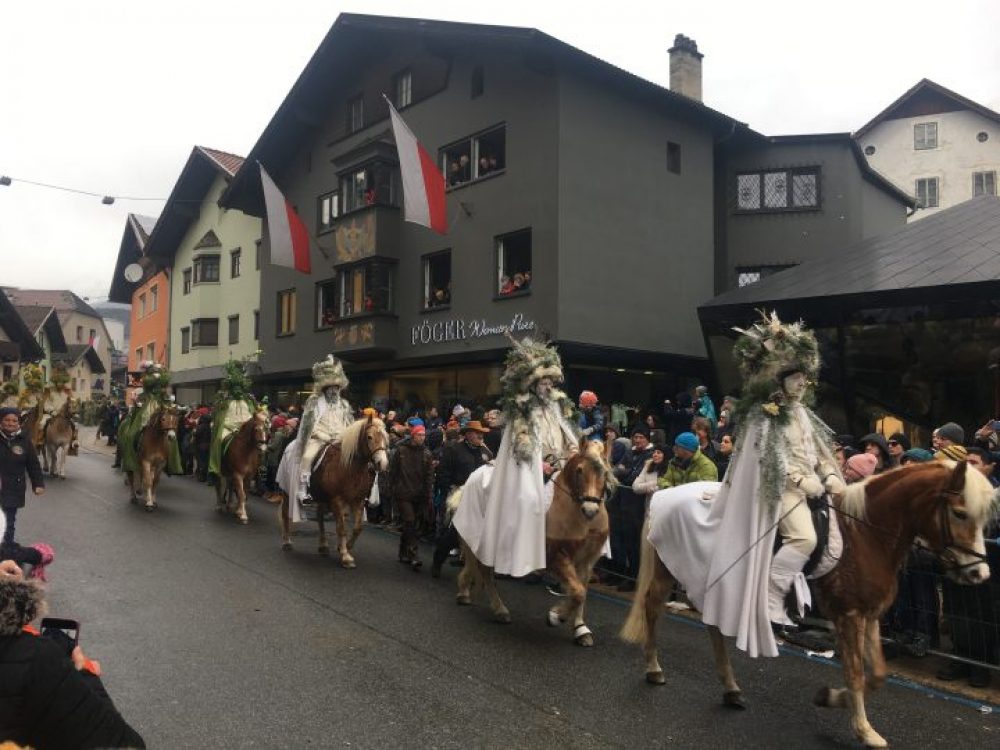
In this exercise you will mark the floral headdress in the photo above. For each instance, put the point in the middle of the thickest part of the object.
(328, 372)
(236, 383)
(770, 348)
(155, 378)
(527, 362)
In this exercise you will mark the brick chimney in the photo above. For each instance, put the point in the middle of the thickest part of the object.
(685, 67)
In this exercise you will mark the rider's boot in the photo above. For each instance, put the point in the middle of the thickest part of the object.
(303, 492)
(786, 565)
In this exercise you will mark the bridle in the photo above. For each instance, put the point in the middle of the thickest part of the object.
(946, 552)
(372, 463)
(578, 499)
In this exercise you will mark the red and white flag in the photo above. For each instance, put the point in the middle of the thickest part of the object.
(423, 183)
(286, 233)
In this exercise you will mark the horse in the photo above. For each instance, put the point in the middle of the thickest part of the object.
(60, 440)
(945, 504)
(240, 460)
(341, 481)
(576, 529)
(153, 452)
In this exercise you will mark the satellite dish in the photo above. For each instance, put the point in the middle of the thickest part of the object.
(133, 272)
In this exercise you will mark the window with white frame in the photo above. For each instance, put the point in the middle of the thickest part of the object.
(235, 259)
(513, 263)
(355, 114)
(151, 352)
(927, 192)
(142, 306)
(475, 157)
(364, 288)
(925, 136)
(771, 190)
(326, 303)
(374, 184)
(185, 340)
(403, 87)
(154, 294)
(984, 183)
(186, 276)
(234, 329)
(206, 269)
(437, 280)
(286, 312)
(328, 209)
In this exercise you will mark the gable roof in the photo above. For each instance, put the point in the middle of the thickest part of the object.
(309, 99)
(75, 352)
(22, 345)
(202, 168)
(63, 300)
(130, 250)
(955, 251)
(937, 99)
(38, 317)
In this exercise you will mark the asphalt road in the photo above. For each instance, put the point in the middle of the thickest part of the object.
(211, 636)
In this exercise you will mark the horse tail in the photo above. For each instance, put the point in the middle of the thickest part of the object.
(452, 503)
(636, 628)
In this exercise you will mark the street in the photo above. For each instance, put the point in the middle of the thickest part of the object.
(211, 636)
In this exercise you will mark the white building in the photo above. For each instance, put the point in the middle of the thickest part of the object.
(936, 145)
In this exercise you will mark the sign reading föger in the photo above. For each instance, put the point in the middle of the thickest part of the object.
(458, 329)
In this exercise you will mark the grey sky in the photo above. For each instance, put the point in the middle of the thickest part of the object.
(111, 96)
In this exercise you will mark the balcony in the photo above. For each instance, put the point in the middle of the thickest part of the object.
(369, 337)
(364, 233)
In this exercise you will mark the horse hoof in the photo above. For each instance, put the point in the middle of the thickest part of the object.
(552, 619)
(348, 563)
(324, 551)
(822, 697)
(503, 618)
(734, 699)
(586, 640)
(656, 678)
(150, 508)
(463, 600)
(286, 546)
(244, 520)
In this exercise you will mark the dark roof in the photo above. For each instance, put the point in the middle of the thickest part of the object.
(203, 166)
(957, 248)
(130, 250)
(62, 300)
(76, 352)
(18, 333)
(37, 317)
(926, 87)
(308, 99)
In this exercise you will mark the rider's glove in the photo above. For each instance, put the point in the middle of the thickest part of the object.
(811, 485)
(834, 484)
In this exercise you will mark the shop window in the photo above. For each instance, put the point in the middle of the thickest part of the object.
(234, 329)
(286, 312)
(475, 157)
(514, 263)
(778, 190)
(984, 183)
(326, 303)
(673, 157)
(375, 184)
(185, 340)
(328, 211)
(355, 114)
(154, 294)
(437, 280)
(206, 269)
(477, 84)
(205, 332)
(186, 281)
(403, 87)
(925, 136)
(364, 288)
(235, 258)
(927, 192)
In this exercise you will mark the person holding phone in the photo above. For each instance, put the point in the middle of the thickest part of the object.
(51, 694)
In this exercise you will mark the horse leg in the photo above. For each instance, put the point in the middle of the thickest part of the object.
(286, 537)
(652, 589)
(147, 483)
(851, 636)
(62, 461)
(241, 496)
(346, 558)
(500, 612)
(322, 508)
(576, 593)
(467, 576)
(732, 695)
(876, 660)
(359, 513)
(130, 483)
(220, 493)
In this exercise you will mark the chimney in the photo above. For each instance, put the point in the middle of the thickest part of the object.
(685, 67)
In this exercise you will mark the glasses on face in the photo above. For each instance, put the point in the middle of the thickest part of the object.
(893, 443)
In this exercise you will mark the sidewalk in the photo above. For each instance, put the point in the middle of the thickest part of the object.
(88, 443)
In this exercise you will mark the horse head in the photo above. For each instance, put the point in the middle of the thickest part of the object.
(376, 443)
(167, 421)
(955, 530)
(586, 476)
(260, 431)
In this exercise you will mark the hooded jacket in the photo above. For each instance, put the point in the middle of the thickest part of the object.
(17, 456)
(45, 702)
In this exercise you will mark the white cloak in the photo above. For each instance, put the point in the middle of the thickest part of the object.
(288, 478)
(502, 513)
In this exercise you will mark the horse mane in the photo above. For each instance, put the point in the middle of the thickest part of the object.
(980, 496)
(350, 438)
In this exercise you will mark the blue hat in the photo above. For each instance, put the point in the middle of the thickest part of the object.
(414, 421)
(688, 441)
(918, 455)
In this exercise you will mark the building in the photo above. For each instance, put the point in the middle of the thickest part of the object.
(18, 344)
(79, 322)
(607, 196)
(908, 324)
(936, 144)
(209, 257)
(85, 369)
(43, 322)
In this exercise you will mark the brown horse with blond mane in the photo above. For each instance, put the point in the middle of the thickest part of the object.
(945, 504)
(341, 481)
(240, 461)
(153, 453)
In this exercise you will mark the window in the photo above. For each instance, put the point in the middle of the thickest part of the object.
(187, 280)
(74, 384)
(79, 334)
(514, 263)
(256, 255)
(925, 136)
(205, 332)
(234, 329)
(778, 190)
(673, 157)
(256, 325)
(984, 183)
(403, 86)
(185, 340)
(355, 114)
(151, 352)
(437, 280)
(373, 184)
(326, 303)
(362, 289)
(747, 275)
(927, 192)
(329, 209)
(234, 263)
(138, 357)
(93, 335)
(142, 307)
(8, 372)
(206, 269)
(154, 294)
(475, 157)
(476, 84)
(286, 312)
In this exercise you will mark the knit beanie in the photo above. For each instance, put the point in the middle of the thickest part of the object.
(917, 455)
(953, 453)
(688, 441)
(860, 466)
(951, 431)
(588, 399)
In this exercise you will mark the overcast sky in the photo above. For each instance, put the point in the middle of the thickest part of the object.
(110, 96)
